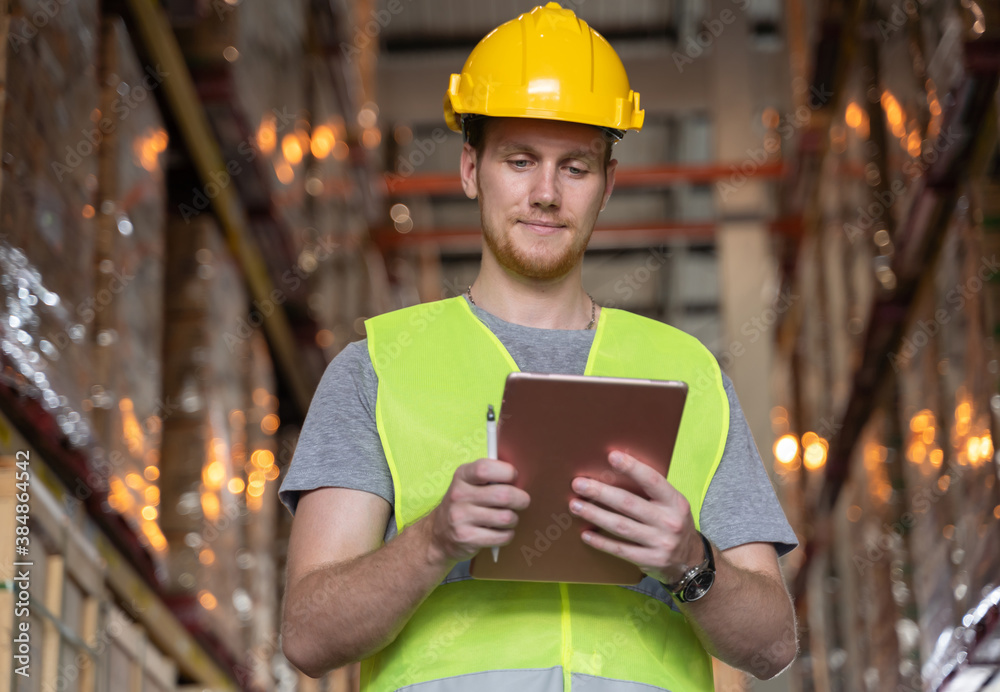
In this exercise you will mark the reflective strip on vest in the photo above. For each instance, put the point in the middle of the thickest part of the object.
(438, 366)
(533, 680)
(530, 680)
(593, 683)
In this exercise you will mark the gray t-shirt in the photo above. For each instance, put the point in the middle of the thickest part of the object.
(339, 445)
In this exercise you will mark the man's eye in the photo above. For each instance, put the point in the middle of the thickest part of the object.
(573, 170)
(519, 163)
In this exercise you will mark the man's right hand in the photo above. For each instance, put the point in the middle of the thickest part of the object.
(348, 596)
(479, 509)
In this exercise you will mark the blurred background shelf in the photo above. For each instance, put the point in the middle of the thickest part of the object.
(201, 202)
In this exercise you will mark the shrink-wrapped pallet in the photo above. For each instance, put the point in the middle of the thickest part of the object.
(47, 226)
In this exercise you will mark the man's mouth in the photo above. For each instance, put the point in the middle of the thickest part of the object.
(542, 227)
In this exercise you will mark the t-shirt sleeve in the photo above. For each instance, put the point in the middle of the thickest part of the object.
(741, 506)
(339, 445)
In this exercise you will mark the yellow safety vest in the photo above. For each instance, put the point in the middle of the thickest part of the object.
(438, 367)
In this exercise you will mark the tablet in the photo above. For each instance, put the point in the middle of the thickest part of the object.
(553, 428)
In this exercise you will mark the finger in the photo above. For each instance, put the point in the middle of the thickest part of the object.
(477, 538)
(499, 495)
(483, 471)
(489, 538)
(654, 484)
(612, 522)
(621, 500)
(488, 517)
(637, 555)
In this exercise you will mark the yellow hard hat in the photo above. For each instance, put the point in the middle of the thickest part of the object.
(545, 64)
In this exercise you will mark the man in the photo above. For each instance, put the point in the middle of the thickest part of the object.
(394, 436)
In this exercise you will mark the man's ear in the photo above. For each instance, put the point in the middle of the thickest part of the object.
(609, 182)
(467, 168)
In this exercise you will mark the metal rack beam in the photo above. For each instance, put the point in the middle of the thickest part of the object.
(639, 234)
(633, 177)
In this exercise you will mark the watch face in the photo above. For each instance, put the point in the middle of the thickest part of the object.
(699, 586)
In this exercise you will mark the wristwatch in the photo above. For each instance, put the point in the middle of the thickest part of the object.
(696, 581)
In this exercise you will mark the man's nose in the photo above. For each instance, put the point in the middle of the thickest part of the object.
(545, 191)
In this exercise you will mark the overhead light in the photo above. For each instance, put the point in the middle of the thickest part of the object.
(785, 449)
(398, 212)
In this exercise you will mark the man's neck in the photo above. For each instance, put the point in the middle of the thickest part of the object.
(554, 304)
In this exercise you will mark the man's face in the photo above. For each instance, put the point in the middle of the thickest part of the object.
(541, 185)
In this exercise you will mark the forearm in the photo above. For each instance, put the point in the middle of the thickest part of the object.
(347, 611)
(746, 620)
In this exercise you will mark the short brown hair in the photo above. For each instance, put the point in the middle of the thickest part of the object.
(475, 134)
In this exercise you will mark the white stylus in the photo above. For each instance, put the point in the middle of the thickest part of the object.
(491, 452)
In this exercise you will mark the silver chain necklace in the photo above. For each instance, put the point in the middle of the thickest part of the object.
(593, 307)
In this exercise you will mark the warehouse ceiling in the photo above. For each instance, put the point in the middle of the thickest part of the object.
(456, 23)
(453, 23)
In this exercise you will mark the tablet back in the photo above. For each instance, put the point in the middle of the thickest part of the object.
(553, 428)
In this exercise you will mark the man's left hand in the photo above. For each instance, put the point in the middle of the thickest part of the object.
(659, 534)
